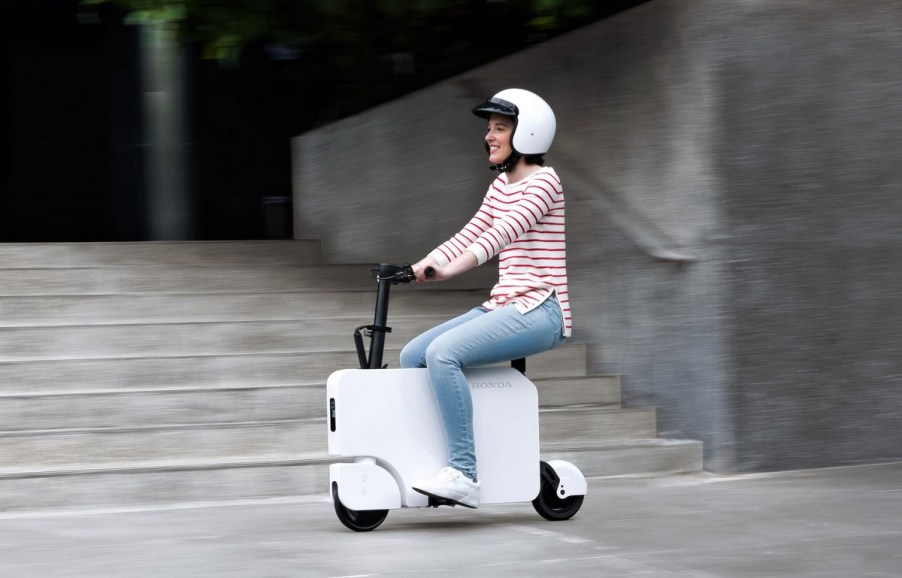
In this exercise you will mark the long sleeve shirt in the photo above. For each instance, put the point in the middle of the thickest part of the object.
(522, 223)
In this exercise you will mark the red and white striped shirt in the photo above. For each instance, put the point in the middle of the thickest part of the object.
(522, 223)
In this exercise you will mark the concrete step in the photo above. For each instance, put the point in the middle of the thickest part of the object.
(164, 482)
(575, 391)
(203, 480)
(71, 447)
(633, 457)
(213, 278)
(161, 406)
(59, 445)
(191, 338)
(297, 367)
(355, 307)
(49, 376)
(577, 425)
(121, 408)
(155, 253)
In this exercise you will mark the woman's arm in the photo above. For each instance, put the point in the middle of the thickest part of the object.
(460, 264)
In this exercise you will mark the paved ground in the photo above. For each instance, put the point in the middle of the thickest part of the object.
(844, 522)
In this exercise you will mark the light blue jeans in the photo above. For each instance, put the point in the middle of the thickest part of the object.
(478, 337)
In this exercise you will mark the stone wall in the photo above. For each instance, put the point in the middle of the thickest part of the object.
(809, 146)
(757, 138)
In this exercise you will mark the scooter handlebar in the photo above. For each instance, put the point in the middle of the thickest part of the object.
(398, 273)
(393, 273)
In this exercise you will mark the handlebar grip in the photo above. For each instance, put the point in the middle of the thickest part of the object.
(430, 272)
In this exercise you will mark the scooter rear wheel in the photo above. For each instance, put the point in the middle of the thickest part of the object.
(359, 521)
(549, 505)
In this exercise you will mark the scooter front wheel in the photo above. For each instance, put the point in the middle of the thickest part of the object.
(359, 521)
(551, 506)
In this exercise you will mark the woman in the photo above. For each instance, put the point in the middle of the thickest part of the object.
(521, 220)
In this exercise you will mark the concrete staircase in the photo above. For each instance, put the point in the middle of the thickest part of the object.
(136, 373)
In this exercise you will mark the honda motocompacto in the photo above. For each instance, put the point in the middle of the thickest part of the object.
(388, 422)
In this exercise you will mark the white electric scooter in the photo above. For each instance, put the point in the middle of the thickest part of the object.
(387, 420)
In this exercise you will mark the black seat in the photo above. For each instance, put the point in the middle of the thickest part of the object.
(519, 364)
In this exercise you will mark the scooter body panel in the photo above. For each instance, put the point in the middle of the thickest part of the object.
(362, 484)
(571, 482)
(390, 416)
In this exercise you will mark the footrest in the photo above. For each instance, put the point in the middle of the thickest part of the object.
(435, 501)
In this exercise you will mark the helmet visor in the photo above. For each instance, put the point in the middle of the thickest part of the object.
(496, 105)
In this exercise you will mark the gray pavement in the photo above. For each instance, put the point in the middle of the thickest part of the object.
(840, 522)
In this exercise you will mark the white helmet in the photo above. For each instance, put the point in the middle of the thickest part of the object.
(535, 123)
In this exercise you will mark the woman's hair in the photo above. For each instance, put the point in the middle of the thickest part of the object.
(535, 160)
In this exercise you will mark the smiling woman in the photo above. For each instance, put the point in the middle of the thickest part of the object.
(521, 220)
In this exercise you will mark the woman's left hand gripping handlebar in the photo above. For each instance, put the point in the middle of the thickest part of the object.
(429, 270)
(425, 271)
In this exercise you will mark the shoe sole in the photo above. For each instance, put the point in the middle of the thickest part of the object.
(448, 500)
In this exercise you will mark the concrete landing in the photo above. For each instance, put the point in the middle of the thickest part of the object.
(839, 523)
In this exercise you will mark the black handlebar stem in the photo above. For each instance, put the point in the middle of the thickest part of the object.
(387, 275)
(393, 273)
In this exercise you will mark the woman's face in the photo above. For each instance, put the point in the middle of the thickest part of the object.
(498, 137)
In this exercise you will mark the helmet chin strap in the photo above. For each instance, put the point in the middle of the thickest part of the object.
(507, 165)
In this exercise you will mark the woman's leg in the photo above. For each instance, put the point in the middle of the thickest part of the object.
(491, 337)
(414, 353)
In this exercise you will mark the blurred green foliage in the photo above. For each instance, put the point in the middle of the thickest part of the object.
(224, 28)
(308, 62)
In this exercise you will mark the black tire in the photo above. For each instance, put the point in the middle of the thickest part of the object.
(359, 521)
(551, 506)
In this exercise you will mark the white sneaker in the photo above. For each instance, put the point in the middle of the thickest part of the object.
(452, 485)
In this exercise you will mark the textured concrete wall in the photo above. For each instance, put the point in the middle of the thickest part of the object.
(811, 142)
(759, 138)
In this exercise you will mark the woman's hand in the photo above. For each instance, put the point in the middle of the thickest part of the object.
(465, 262)
(431, 273)
(420, 269)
